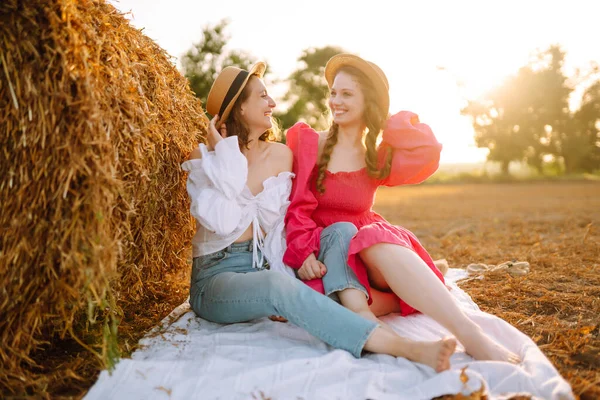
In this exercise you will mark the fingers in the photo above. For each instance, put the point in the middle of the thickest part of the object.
(305, 273)
(223, 130)
(323, 268)
(212, 125)
(312, 269)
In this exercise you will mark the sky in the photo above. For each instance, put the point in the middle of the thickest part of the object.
(436, 54)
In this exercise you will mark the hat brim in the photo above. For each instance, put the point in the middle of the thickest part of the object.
(257, 69)
(377, 77)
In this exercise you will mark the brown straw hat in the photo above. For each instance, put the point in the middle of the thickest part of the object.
(372, 71)
(227, 88)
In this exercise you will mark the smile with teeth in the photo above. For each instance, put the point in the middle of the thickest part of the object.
(339, 112)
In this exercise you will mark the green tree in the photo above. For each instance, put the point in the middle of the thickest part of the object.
(307, 94)
(579, 145)
(517, 120)
(207, 57)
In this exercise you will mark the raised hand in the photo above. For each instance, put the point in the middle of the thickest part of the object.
(214, 136)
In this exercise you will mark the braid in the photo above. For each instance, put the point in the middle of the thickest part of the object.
(332, 139)
(371, 156)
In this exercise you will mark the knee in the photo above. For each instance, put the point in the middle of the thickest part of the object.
(279, 285)
(346, 230)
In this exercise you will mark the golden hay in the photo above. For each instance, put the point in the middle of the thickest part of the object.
(93, 208)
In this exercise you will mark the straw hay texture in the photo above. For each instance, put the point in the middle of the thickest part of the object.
(94, 122)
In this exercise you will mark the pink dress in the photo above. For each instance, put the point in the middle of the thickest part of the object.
(349, 196)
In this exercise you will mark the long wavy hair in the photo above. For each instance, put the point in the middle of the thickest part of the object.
(236, 126)
(374, 118)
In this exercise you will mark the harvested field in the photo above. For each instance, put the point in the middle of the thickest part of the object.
(553, 226)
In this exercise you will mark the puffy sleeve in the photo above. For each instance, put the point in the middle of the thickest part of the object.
(303, 236)
(213, 184)
(415, 150)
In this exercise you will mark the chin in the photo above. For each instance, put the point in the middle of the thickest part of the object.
(342, 121)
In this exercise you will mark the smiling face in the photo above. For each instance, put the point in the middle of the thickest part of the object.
(256, 109)
(346, 100)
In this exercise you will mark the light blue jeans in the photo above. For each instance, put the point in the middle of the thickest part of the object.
(225, 288)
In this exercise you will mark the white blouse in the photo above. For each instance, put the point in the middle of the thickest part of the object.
(224, 207)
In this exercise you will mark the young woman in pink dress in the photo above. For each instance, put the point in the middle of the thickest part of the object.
(337, 174)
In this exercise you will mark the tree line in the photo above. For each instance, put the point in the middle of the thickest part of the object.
(526, 118)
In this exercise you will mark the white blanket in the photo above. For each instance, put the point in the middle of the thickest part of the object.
(190, 358)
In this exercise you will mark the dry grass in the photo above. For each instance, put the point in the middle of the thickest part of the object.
(554, 226)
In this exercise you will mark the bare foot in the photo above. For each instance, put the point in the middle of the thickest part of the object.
(435, 354)
(482, 347)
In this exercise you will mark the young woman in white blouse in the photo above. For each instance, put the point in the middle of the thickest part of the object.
(239, 187)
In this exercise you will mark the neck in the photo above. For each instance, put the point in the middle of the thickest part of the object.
(351, 135)
(253, 143)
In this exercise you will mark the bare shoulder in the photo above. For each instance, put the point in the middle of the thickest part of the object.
(195, 154)
(282, 155)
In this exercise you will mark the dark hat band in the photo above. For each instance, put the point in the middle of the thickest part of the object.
(233, 90)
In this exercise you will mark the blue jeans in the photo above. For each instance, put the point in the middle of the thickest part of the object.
(225, 288)
(335, 242)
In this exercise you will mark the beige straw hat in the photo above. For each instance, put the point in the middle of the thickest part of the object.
(371, 70)
(227, 88)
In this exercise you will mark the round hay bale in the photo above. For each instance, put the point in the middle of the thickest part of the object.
(94, 122)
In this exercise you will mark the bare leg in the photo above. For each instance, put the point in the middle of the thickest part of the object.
(385, 340)
(355, 300)
(435, 354)
(384, 303)
(413, 281)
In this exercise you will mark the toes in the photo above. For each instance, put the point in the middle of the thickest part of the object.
(449, 345)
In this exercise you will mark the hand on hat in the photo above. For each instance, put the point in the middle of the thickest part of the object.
(214, 136)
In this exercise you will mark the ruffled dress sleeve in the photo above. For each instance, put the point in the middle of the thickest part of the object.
(214, 181)
(415, 150)
(303, 236)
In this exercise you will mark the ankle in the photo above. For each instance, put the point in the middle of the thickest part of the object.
(407, 348)
(467, 330)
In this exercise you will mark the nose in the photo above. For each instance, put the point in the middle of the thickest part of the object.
(335, 100)
(272, 103)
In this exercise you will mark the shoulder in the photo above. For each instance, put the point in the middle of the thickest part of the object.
(281, 154)
(280, 150)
